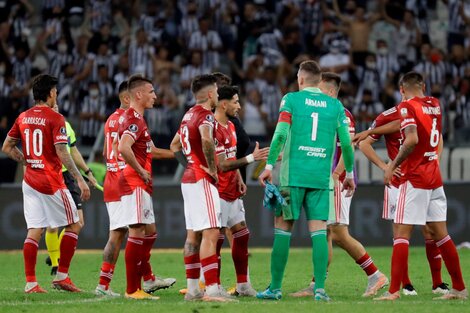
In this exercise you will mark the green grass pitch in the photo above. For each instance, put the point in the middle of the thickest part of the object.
(345, 284)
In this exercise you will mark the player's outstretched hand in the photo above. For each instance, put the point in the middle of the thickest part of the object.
(145, 175)
(360, 137)
(85, 190)
(211, 173)
(260, 154)
(349, 185)
(266, 175)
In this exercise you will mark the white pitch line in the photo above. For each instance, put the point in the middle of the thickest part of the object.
(18, 303)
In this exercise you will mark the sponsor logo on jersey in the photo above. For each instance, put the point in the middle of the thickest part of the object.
(137, 115)
(313, 151)
(404, 111)
(282, 103)
(133, 128)
(315, 103)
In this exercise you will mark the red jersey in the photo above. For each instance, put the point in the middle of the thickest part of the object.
(421, 167)
(40, 129)
(133, 124)
(226, 143)
(190, 138)
(393, 140)
(352, 131)
(114, 163)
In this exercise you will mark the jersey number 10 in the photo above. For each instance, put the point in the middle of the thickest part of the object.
(36, 141)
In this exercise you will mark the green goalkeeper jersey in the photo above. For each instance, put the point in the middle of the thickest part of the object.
(313, 120)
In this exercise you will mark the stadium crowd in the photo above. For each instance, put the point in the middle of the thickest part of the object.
(92, 46)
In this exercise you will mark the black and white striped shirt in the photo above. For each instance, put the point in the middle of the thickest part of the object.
(189, 24)
(57, 32)
(434, 73)
(271, 96)
(463, 110)
(387, 64)
(91, 127)
(312, 16)
(140, 60)
(187, 74)
(5, 88)
(21, 72)
(101, 13)
(105, 60)
(57, 60)
(456, 23)
(206, 43)
(369, 79)
(49, 4)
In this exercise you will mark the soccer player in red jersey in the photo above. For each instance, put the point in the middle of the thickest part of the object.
(112, 195)
(388, 124)
(135, 181)
(339, 226)
(195, 138)
(47, 201)
(231, 186)
(421, 197)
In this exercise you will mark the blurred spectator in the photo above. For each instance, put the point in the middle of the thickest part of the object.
(271, 95)
(106, 58)
(99, 14)
(358, 28)
(92, 114)
(141, 55)
(432, 68)
(83, 62)
(189, 22)
(67, 94)
(335, 61)
(106, 89)
(103, 36)
(457, 64)
(254, 117)
(122, 71)
(366, 110)
(459, 19)
(189, 71)
(369, 78)
(462, 120)
(208, 41)
(330, 35)
(20, 20)
(387, 62)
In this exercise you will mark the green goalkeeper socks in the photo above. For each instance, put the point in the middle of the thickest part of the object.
(319, 257)
(279, 257)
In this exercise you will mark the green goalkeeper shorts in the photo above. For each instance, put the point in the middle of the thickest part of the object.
(316, 203)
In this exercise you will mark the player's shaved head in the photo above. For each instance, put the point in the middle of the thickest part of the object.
(332, 79)
(222, 79)
(123, 86)
(311, 72)
(201, 82)
(136, 81)
(412, 80)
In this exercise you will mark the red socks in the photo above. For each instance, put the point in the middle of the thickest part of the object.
(434, 258)
(451, 259)
(399, 262)
(240, 254)
(366, 263)
(134, 258)
(106, 274)
(30, 253)
(210, 268)
(193, 266)
(68, 244)
(149, 240)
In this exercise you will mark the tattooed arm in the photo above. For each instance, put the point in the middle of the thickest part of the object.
(410, 142)
(10, 149)
(208, 148)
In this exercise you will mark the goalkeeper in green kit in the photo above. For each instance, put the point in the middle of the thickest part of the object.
(309, 122)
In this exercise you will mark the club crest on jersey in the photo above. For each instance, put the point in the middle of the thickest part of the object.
(133, 128)
(404, 111)
(210, 118)
(63, 131)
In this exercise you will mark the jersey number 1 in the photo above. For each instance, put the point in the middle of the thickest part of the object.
(314, 125)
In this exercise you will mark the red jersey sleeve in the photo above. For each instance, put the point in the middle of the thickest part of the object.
(206, 119)
(131, 127)
(407, 115)
(15, 130)
(219, 141)
(59, 132)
